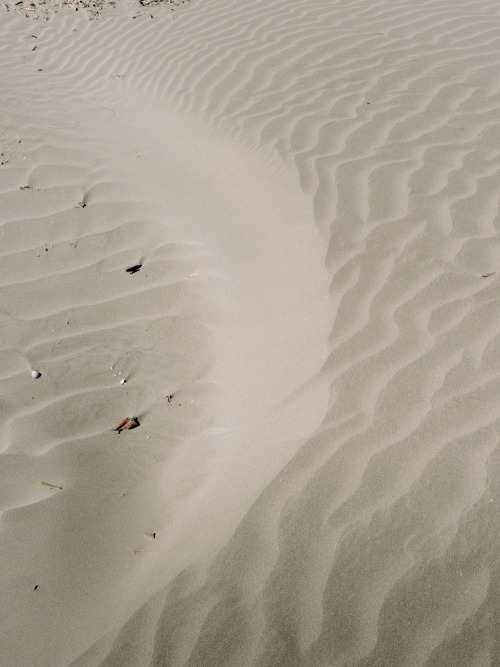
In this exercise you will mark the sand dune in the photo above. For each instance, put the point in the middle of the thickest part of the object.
(310, 344)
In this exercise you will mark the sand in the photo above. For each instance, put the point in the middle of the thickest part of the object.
(309, 345)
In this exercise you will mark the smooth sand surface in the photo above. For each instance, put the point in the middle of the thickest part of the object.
(310, 345)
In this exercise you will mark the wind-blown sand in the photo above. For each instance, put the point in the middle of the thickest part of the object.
(310, 345)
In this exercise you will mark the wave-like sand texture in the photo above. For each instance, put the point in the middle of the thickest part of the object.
(313, 191)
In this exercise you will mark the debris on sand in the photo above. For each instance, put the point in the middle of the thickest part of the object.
(94, 9)
(133, 269)
(51, 486)
(127, 424)
(35, 375)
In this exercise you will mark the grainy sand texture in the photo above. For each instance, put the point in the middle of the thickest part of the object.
(260, 239)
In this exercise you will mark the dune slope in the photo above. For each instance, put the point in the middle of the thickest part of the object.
(311, 190)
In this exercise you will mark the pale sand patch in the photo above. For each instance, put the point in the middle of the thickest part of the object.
(212, 335)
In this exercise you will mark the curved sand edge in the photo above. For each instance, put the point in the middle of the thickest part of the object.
(203, 333)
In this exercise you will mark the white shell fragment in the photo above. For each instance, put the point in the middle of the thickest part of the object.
(35, 375)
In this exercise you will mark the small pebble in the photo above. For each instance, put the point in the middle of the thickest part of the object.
(35, 375)
(123, 381)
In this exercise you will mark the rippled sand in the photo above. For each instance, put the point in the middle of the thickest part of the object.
(310, 345)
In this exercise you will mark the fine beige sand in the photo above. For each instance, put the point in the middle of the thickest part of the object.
(310, 346)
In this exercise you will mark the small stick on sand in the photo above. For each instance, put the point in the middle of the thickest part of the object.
(101, 106)
(51, 486)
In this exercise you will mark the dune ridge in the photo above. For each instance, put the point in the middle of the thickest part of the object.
(330, 498)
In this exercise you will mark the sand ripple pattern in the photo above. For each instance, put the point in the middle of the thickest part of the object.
(378, 544)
